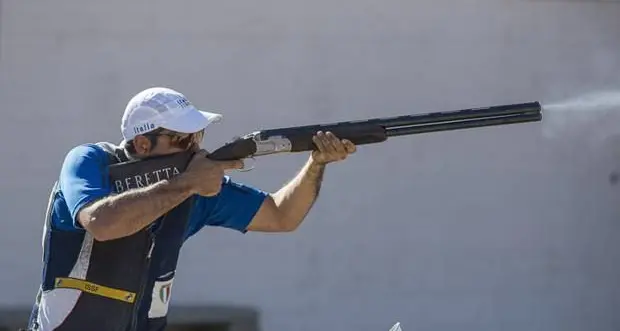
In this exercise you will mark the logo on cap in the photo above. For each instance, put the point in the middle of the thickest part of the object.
(183, 102)
(146, 127)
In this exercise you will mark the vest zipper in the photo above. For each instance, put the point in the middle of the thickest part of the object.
(143, 281)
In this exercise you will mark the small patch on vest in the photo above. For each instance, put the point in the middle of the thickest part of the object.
(160, 298)
(164, 293)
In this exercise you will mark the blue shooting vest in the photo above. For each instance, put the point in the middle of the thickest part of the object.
(116, 285)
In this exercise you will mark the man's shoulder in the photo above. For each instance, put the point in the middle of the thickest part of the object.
(99, 150)
(88, 154)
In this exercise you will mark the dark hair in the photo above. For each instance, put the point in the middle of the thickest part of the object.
(151, 136)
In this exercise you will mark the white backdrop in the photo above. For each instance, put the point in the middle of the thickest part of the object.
(490, 229)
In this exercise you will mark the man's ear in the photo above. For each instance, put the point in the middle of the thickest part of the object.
(142, 145)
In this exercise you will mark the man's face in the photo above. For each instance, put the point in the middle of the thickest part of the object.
(167, 142)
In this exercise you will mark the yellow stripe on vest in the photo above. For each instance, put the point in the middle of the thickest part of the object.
(92, 288)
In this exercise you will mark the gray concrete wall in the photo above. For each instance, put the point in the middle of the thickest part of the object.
(490, 229)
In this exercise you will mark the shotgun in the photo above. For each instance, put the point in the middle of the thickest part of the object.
(376, 130)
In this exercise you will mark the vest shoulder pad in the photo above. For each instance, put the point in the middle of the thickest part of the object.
(115, 153)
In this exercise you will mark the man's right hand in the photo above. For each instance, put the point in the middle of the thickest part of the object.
(205, 175)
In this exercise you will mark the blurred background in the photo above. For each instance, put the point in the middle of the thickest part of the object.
(490, 229)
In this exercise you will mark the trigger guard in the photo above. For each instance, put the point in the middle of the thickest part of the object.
(244, 169)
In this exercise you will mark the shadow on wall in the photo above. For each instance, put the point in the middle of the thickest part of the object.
(180, 318)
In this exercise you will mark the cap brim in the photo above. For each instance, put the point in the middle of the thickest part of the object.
(191, 121)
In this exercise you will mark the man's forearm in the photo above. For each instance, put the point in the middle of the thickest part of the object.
(295, 199)
(127, 213)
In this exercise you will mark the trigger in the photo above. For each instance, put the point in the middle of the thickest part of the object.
(245, 169)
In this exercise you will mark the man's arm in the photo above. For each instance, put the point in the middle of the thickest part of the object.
(233, 208)
(122, 215)
(106, 217)
(284, 210)
(245, 208)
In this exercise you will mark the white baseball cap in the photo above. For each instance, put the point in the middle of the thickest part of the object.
(161, 107)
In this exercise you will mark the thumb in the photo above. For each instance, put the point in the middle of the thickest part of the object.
(200, 154)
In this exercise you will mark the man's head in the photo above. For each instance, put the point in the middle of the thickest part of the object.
(160, 121)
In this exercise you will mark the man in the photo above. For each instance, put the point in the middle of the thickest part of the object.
(112, 236)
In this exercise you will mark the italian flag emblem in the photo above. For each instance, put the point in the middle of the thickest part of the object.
(164, 293)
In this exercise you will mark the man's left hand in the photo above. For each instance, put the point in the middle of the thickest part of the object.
(331, 148)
